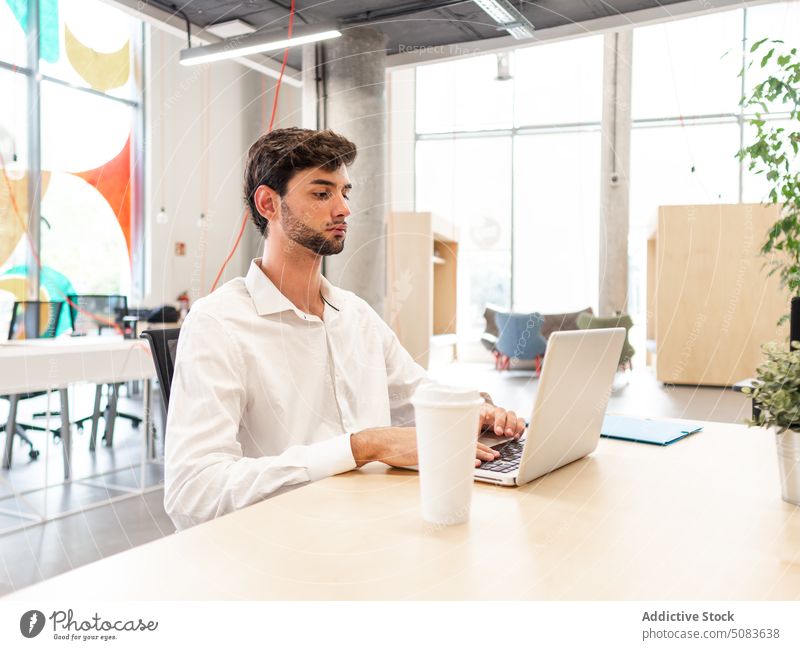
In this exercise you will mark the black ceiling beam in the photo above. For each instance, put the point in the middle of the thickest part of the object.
(169, 6)
(397, 12)
(463, 27)
(280, 5)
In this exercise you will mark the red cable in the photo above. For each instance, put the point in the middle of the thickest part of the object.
(283, 67)
(230, 255)
(269, 129)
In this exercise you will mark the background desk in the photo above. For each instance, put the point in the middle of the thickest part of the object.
(702, 519)
(36, 364)
(53, 364)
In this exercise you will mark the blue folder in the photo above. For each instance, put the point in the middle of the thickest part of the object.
(652, 432)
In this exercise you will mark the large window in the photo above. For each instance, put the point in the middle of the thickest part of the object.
(87, 82)
(556, 195)
(463, 96)
(514, 163)
(687, 122)
(559, 83)
(686, 164)
(13, 44)
(779, 21)
(685, 130)
(13, 177)
(689, 67)
(466, 180)
(520, 159)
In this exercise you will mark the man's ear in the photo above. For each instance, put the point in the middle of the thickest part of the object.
(267, 202)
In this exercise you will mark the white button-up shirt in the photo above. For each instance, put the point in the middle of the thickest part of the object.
(265, 397)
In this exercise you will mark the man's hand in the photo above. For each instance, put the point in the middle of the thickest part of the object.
(500, 422)
(397, 446)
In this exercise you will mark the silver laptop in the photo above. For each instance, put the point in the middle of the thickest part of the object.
(568, 413)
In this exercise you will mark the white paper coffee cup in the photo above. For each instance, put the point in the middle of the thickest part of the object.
(447, 421)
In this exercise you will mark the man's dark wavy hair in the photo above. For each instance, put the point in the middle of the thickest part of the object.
(277, 156)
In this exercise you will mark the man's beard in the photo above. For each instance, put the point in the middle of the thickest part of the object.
(306, 236)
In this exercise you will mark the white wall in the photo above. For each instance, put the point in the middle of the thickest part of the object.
(199, 123)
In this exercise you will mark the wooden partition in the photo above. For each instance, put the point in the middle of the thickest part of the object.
(714, 303)
(422, 262)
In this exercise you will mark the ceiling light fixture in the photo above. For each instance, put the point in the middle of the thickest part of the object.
(231, 28)
(508, 17)
(257, 42)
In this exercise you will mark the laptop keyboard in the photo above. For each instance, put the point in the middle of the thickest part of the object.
(508, 461)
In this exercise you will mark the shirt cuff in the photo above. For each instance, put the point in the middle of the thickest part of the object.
(330, 457)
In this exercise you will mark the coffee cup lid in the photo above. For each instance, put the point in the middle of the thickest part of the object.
(433, 394)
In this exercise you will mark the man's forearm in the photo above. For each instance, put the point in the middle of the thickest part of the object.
(391, 445)
(363, 449)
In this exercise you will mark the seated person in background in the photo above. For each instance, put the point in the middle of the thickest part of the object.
(282, 378)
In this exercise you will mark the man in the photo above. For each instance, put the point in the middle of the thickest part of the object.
(282, 378)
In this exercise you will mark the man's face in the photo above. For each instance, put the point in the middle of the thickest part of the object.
(314, 210)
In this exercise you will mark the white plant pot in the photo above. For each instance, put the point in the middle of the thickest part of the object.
(788, 444)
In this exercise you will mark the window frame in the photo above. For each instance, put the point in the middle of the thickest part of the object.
(34, 79)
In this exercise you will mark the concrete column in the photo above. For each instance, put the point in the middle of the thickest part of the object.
(309, 100)
(402, 139)
(615, 172)
(355, 71)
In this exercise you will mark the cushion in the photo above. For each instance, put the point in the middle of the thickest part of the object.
(590, 322)
(562, 322)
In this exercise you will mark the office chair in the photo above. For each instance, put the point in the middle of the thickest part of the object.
(90, 312)
(587, 321)
(96, 311)
(29, 319)
(164, 346)
(562, 322)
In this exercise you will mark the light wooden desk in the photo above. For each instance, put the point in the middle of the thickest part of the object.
(702, 519)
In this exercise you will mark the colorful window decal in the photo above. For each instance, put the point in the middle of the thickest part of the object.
(53, 286)
(48, 25)
(87, 148)
(102, 71)
(113, 181)
(14, 212)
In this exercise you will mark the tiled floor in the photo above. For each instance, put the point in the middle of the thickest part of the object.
(42, 551)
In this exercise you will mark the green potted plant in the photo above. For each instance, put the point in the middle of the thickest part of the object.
(774, 151)
(776, 396)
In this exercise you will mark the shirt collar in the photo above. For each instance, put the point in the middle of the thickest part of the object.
(268, 299)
